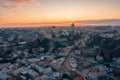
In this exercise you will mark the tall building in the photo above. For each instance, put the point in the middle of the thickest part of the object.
(72, 25)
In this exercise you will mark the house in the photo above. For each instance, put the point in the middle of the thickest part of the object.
(47, 70)
(4, 76)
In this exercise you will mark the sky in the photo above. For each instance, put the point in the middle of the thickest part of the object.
(57, 12)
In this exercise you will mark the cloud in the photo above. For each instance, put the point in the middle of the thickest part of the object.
(1, 14)
(113, 22)
(11, 4)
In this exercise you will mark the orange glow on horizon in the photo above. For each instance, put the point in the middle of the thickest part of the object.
(56, 12)
(43, 24)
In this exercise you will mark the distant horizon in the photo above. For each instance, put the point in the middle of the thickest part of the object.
(100, 22)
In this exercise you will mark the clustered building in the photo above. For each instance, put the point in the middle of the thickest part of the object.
(60, 53)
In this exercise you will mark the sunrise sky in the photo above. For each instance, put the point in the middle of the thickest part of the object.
(56, 12)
